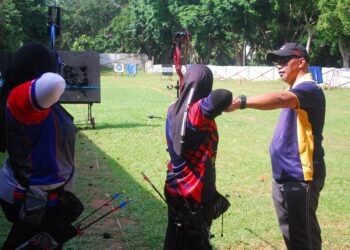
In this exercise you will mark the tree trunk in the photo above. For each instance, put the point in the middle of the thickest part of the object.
(309, 41)
(345, 52)
(238, 54)
(244, 54)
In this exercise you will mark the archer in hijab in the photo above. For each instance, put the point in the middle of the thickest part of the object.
(192, 140)
(39, 137)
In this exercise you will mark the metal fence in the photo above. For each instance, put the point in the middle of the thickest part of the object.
(329, 77)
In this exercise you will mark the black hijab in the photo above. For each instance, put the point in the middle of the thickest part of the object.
(28, 63)
(198, 83)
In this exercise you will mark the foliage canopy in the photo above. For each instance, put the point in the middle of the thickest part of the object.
(230, 32)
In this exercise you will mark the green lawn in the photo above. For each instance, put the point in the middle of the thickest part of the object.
(125, 142)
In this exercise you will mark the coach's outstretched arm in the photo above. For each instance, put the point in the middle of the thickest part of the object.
(268, 101)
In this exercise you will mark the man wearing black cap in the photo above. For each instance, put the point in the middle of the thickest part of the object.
(296, 149)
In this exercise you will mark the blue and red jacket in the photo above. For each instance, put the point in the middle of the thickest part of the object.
(193, 175)
(40, 144)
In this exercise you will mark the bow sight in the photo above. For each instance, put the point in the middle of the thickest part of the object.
(182, 39)
(183, 34)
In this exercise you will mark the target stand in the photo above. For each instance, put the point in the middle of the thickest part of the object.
(81, 70)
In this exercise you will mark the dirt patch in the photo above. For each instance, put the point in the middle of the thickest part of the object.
(126, 221)
(108, 223)
(96, 203)
(263, 178)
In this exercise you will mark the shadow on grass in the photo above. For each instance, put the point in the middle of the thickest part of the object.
(261, 238)
(101, 126)
(124, 125)
(141, 225)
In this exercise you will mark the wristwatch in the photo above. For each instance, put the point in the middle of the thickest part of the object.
(243, 99)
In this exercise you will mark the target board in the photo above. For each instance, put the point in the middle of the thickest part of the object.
(118, 67)
(81, 70)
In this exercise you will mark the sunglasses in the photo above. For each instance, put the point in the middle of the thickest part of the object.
(284, 60)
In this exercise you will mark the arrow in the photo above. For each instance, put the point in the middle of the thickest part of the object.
(116, 196)
(121, 205)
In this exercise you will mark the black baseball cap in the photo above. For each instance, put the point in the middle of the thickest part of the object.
(289, 50)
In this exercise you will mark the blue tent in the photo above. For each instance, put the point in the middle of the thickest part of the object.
(316, 72)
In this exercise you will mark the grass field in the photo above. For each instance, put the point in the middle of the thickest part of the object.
(110, 159)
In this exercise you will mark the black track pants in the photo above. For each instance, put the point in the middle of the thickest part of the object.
(296, 204)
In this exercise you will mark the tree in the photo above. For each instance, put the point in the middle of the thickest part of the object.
(150, 28)
(10, 26)
(22, 22)
(334, 23)
(119, 33)
(224, 32)
(295, 22)
(33, 20)
(196, 19)
(84, 20)
(205, 21)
